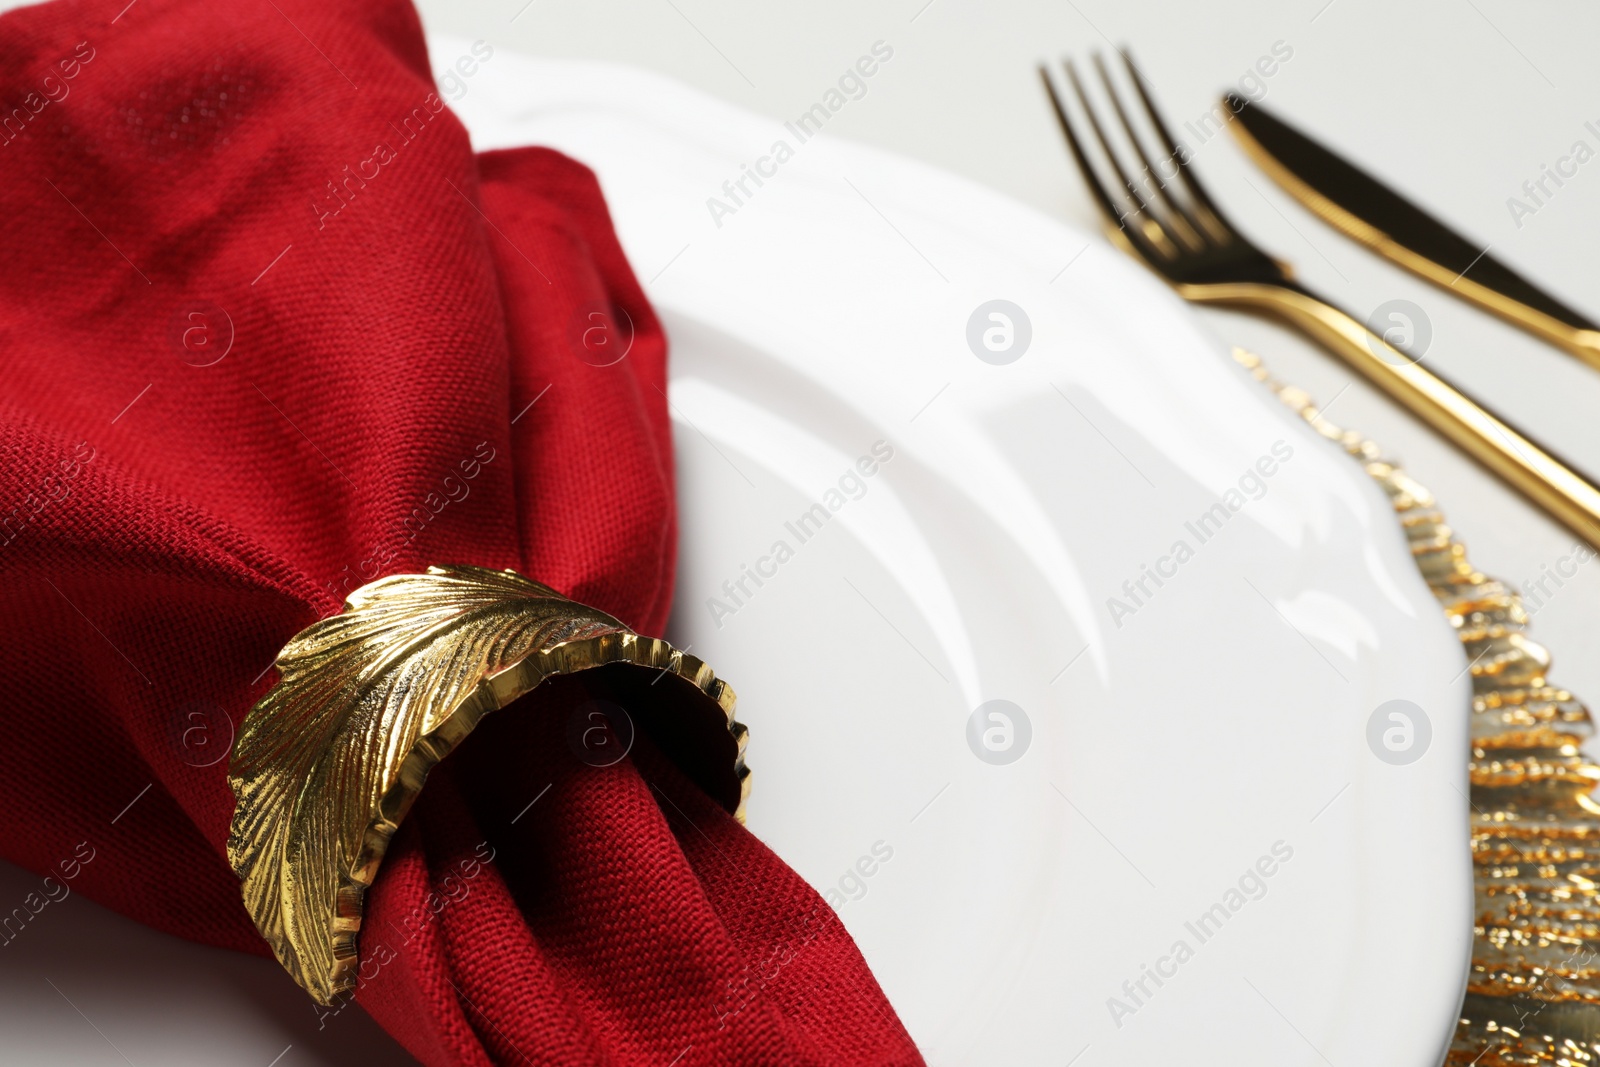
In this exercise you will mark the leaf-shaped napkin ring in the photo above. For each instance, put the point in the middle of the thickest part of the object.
(329, 762)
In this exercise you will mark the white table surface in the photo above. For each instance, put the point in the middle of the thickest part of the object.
(1457, 102)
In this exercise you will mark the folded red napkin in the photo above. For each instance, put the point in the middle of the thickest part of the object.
(270, 330)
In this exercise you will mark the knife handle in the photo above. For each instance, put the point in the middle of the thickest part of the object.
(1585, 344)
(1526, 466)
(1574, 340)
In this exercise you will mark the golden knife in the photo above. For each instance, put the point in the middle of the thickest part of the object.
(1362, 207)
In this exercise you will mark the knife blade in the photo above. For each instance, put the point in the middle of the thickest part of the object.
(1363, 208)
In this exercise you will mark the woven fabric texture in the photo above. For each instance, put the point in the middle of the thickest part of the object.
(269, 330)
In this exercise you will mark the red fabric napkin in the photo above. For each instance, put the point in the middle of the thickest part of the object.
(270, 330)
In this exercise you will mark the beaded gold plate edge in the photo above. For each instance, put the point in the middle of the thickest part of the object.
(1533, 992)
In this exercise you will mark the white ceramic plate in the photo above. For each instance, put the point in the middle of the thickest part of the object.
(1002, 906)
(1214, 730)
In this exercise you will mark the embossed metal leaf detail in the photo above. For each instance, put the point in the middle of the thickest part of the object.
(329, 761)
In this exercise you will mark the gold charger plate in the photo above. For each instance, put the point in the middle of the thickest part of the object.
(1533, 991)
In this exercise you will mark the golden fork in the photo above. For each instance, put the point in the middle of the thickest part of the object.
(1175, 229)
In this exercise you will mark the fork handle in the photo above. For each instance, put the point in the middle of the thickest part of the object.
(1519, 461)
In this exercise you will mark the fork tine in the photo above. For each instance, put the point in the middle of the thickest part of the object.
(1145, 236)
(1178, 216)
(1148, 223)
(1115, 216)
(1208, 214)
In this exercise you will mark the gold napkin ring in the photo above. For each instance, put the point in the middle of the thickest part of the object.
(330, 760)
